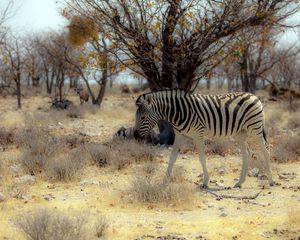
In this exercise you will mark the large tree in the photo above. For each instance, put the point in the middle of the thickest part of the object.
(174, 42)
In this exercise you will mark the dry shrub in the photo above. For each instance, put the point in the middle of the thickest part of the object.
(41, 145)
(7, 137)
(76, 112)
(287, 149)
(119, 153)
(150, 167)
(65, 167)
(101, 155)
(294, 121)
(151, 190)
(294, 217)
(274, 117)
(220, 147)
(74, 141)
(43, 224)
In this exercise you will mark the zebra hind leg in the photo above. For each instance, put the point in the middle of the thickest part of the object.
(241, 139)
(201, 147)
(266, 155)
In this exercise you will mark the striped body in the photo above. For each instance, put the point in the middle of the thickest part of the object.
(198, 116)
(209, 115)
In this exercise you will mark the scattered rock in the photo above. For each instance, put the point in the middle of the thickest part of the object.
(15, 169)
(88, 182)
(223, 215)
(48, 197)
(222, 171)
(2, 198)
(254, 172)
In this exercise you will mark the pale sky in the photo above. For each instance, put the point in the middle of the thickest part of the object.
(34, 15)
(37, 15)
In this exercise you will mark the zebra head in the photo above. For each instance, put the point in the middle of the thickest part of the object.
(146, 118)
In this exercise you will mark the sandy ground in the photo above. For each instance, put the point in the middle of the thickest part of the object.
(273, 214)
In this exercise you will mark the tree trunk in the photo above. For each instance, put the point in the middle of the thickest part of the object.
(18, 87)
(102, 89)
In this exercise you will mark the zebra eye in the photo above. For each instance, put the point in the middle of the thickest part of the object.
(143, 118)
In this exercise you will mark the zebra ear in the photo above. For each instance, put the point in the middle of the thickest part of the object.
(149, 99)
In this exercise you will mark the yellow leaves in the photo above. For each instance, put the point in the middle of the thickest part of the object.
(157, 26)
(82, 29)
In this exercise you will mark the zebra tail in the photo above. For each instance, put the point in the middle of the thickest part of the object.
(265, 138)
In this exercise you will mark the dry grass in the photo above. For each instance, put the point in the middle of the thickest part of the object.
(7, 137)
(43, 224)
(120, 153)
(294, 121)
(40, 147)
(220, 147)
(65, 167)
(294, 217)
(148, 189)
(287, 149)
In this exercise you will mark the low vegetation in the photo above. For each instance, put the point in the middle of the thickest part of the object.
(220, 147)
(7, 138)
(65, 167)
(119, 153)
(44, 224)
(148, 189)
(287, 149)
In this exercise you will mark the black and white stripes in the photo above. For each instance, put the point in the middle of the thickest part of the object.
(239, 115)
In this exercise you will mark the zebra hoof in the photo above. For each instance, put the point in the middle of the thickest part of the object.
(237, 185)
(203, 186)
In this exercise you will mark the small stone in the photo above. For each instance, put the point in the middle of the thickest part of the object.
(223, 215)
(254, 172)
(88, 182)
(222, 171)
(2, 198)
(140, 225)
(16, 169)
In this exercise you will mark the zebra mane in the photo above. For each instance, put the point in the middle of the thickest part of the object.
(140, 100)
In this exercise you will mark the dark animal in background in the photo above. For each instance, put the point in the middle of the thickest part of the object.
(83, 95)
(165, 137)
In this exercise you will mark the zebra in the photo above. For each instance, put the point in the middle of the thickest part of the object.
(196, 116)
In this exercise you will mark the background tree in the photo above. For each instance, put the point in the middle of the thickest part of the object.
(95, 61)
(13, 57)
(173, 43)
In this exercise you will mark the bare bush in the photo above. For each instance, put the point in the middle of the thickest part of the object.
(287, 149)
(65, 167)
(7, 137)
(119, 153)
(43, 224)
(294, 121)
(76, 112)
(74, 141)
(101, 226)
(219, 147)
(149, 189)
(100, 155)
(40, 146)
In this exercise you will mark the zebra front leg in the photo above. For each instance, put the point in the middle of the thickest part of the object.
(173, 156)
(201, 149)
(246, 158)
